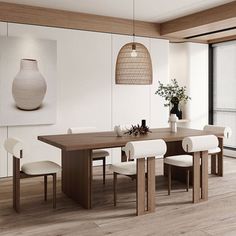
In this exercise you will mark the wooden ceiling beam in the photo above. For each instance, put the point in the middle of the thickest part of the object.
(222, 39)
(24, 14)
(176, 30)
(216, 18)
(217, 35)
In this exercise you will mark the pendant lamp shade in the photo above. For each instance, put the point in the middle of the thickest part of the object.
(134, 65)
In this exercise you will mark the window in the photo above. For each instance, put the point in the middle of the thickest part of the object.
(224, 88)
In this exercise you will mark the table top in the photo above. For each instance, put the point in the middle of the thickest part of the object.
(70, 142)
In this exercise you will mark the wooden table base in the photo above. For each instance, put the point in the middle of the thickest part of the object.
(77, 176)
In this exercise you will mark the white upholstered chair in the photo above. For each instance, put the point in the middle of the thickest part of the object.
(216, 153)
(33, 169)
(138, 151)
(190, 145)
(98, 154)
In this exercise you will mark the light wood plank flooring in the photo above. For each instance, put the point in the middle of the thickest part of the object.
(175, 214)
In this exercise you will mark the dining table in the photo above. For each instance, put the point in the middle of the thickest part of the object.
(76, 158)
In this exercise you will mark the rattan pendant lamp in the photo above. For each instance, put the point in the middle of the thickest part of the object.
(133, 64)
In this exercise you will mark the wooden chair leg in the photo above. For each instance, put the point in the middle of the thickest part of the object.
(196, 177)
(54, 176)
(220, 158)
(16, 184)
(45, 187)
(104, 169)
(187, 180)
(114, 187)
(169, 179)
(140, 187)
(16, 194)
(151, 184)
(213, 164)
(220, 164)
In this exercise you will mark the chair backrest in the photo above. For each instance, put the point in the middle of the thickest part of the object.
(15, 147)
(145, 149)
(200, 143)
(225, 131)
(79, 130)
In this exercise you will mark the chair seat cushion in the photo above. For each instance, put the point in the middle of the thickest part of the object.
(100, 153)
(40, 168)
(214, 150)
(179, 160)
(124, 168)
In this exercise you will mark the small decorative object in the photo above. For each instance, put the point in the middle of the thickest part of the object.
(133, 64)
(138, 130)
(29, 86)
(173, 94)
(175, 107)
(173, 123)
(118, 131)
(143, 123)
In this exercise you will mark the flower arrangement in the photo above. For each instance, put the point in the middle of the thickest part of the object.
(138, 130)
(172, 90)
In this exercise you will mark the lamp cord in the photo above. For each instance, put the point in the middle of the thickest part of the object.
(133, 20)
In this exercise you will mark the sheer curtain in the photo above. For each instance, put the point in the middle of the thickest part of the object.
(224, 92)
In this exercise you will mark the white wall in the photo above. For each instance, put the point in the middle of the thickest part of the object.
(197, 108)
(189, 65)
(179, 62)
(87, 94)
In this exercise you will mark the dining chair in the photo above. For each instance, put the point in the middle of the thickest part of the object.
(140, 169)
(17, 149)
(98, 154)
(216, 158)
(190, 145)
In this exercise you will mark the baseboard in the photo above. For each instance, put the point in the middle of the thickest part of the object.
(230, 153)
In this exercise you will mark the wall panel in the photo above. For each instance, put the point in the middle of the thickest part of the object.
(87, 94)
(3, 130)
(84, 90)
(160, 60)
(189, 65)
(130, 103)
(197, 83)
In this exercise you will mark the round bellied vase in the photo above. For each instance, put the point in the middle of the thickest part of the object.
(29, 86)
(175, 107)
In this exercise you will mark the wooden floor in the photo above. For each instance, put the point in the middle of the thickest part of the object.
(175, 214)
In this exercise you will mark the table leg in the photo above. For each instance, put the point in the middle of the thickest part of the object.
(204, 177)
(77, 176)
(140, 188)
(220, 158)
(196, 177)
(151, 184)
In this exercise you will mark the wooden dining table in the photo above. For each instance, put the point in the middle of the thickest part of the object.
(77, 158)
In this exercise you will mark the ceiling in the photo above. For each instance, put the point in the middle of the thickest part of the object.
(145, 10)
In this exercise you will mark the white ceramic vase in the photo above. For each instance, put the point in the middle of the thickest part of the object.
(118, 131)
(29, 86)
(173, 123)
